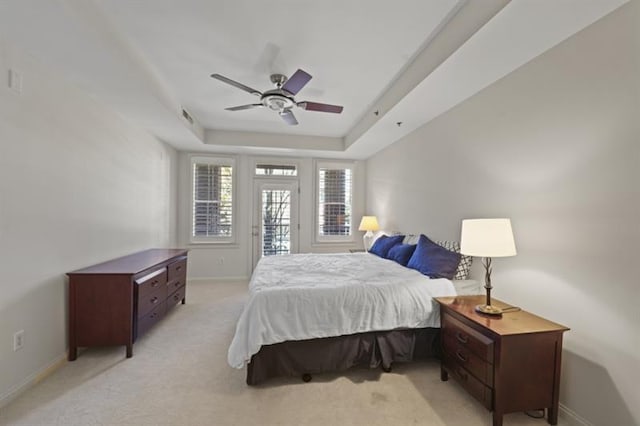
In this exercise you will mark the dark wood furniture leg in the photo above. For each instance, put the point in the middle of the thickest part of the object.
(497, 418)
(552, 412)
(444, 376)
(73, 353)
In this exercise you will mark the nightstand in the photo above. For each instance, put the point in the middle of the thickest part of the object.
(509, 363)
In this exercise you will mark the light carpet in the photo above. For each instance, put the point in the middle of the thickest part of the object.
(179, 376)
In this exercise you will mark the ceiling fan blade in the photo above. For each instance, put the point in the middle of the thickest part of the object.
(296, 82)
(315, 106)
(241, 107)
(288, 117)
(236, 84)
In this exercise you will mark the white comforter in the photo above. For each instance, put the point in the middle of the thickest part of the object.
(305, 296)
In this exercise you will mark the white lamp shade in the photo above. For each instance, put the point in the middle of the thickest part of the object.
(487, 238)
(369, 223)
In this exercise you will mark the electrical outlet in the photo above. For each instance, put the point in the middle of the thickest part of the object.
(18, 340)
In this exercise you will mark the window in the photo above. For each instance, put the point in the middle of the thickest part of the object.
(276, 170)
(212, 199)
(334, 188)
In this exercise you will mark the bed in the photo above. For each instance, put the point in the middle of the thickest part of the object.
(315, 313)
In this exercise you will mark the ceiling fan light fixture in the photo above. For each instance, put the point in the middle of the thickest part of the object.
(276, 102)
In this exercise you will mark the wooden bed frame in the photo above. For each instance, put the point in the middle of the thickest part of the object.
(373, 349)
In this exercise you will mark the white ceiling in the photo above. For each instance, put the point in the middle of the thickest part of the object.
(409, 60)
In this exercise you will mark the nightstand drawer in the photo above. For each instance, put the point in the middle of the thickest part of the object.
(461, 355)
(467, 337)
(472, 385)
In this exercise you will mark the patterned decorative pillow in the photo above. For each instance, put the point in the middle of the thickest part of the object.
(465, 261)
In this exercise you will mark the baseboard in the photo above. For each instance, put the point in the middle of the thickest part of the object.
(573, 418)
(32, 380)
(219, 279)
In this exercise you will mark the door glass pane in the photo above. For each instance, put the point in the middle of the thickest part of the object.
(276, 221)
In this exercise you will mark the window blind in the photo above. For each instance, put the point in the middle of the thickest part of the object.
(212, 200)
(334, 204)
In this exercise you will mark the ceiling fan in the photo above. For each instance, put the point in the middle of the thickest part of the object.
(281, 99)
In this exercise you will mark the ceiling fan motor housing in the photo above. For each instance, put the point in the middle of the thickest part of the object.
(277, 100)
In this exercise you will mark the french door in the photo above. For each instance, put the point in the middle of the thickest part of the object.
(275, 218)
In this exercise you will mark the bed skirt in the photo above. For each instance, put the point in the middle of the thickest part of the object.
(374, 349)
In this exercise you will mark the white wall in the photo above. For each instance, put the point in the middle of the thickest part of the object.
(78, 185)
(554, 146)
(234, 261)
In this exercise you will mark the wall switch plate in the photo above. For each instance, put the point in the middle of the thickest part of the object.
(18, 340)
(15, 81)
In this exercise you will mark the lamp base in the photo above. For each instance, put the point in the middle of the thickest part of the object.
(367, 239)
(489, 310)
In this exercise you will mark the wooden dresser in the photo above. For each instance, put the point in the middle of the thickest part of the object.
(114, 302)
(509, 363)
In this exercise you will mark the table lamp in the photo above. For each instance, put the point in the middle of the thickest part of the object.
(487, 238)
(369, 224)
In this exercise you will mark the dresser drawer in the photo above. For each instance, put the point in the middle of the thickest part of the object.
(177, 270)
(467, 337)
(152, 281)
(461, 355)
(148, 301)
(472, 385)
(176, 297)
(147, 321)
(175, 284)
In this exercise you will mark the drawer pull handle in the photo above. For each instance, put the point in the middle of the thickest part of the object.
(178, 268)
(461, 357)
(461, 337)
(154, 300)
(155, 283)
(177, 284)
(176, 297)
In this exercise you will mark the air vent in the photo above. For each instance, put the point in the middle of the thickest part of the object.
(186, 116)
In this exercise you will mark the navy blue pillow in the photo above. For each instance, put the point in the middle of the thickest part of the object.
(433, 260)
(401, 253)
(383, 244)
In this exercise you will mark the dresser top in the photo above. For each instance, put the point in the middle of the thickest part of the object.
(518, 322)
(133, 263)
